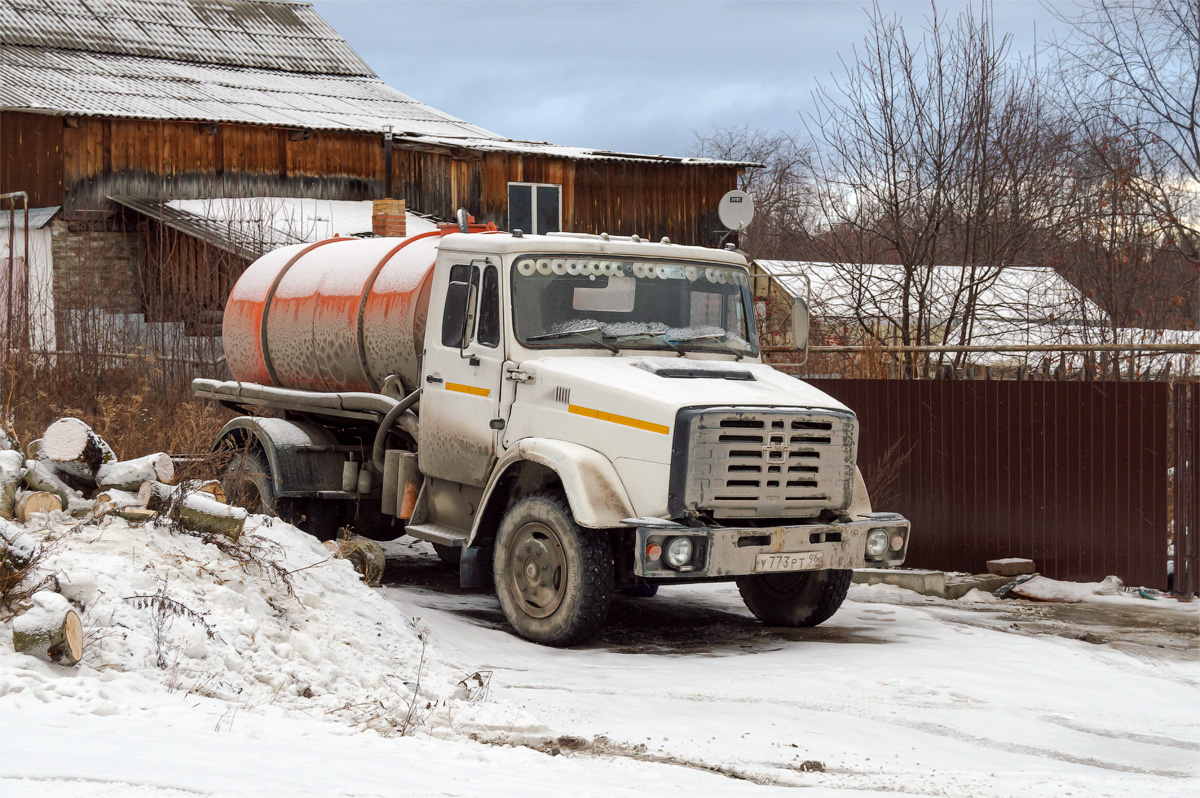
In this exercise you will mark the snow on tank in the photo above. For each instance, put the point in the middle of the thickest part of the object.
(337, 315)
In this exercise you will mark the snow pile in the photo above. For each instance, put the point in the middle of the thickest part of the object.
(1041, 588)
(274, 623)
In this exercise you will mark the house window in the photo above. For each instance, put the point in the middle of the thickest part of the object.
(535, 208)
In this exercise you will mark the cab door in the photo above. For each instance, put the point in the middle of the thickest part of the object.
(461, 372)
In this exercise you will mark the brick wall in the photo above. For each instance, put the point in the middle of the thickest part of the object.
(96, 269)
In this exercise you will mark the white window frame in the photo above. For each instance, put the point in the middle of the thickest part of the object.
(533, 214)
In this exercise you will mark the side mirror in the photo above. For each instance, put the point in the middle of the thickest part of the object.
(800, 323)
(457, 315)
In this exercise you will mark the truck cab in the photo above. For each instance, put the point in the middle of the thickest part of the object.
(592, 414)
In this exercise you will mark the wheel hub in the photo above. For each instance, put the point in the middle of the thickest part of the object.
(539, 567)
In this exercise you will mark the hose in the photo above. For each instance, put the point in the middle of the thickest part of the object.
(385, 427)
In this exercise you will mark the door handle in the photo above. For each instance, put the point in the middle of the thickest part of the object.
(431, 378)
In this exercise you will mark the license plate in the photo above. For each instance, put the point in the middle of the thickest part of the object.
(789, 561)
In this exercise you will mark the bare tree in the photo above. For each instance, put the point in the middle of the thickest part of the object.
(931, 153)
(1131, 83)
(781, 188)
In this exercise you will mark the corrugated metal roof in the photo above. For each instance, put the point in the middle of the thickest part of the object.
(217, 232)
(270, 63)
(282, 34)
(38, 217)
(92, 84)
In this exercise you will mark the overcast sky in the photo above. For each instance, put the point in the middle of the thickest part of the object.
(632, 76)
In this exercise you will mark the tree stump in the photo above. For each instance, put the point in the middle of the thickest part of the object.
(75, 449)
(51, 629)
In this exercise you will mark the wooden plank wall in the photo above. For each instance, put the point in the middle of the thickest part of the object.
(78, 166)
(31, 157)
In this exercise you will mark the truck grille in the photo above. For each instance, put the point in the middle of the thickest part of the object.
(770, 463)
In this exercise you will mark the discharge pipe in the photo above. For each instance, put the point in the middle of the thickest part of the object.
(385, 426)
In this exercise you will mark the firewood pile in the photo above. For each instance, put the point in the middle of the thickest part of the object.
(72, 470)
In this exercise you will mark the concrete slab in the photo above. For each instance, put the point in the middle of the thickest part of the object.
(960, 585)
(1011, 566)
(927, 583)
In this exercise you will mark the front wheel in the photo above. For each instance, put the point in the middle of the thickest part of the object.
(806, 598)
(553, 578)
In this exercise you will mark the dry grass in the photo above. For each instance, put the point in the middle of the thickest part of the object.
(132, 408)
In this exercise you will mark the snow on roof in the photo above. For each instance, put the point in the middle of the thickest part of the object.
(234, 61)
(283, 34)
(1022, 306)
(1016, 293)
(253, 226)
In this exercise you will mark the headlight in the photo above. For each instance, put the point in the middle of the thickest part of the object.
(877, 542)
(679, 552)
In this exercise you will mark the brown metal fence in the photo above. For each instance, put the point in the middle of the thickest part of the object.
(1072, 475)
(1186, 422)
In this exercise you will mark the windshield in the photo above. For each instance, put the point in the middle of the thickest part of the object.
(636, 304)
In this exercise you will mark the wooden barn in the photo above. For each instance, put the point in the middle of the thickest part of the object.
(110, 110)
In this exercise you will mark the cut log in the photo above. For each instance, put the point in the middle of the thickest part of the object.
(112, 500)
(365, 555)
(155, 494)
(16, 545)
(138, 515)
(12, 469)
(130, 474)
(203, 513)
(51, 629)
(198, 510)
(75, 449)
(33, 449)
(36, 501)
(40, 476)
(210, 486)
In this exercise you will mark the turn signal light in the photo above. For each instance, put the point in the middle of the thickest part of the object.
(653, 551)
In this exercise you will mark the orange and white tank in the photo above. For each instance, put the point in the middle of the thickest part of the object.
(338, 315)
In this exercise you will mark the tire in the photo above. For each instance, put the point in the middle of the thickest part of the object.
(554, 579)
(807, 598)
(451, 555)
(247, 483)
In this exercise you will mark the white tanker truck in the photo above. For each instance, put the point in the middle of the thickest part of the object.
(565, 415)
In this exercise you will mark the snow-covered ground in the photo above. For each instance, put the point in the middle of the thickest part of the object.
(684, 694)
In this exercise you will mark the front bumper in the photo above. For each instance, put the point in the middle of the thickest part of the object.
(732, 551)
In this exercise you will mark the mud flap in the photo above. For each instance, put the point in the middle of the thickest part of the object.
(475, 568)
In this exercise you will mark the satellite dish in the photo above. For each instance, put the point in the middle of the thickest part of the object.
(736, 209)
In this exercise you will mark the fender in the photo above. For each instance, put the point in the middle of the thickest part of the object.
(598, 499)
(303, 458)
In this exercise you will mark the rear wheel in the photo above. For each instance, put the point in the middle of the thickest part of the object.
(247, 483)
(553, 578)
(806, 598)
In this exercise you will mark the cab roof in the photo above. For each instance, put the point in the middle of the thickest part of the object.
(585, 244)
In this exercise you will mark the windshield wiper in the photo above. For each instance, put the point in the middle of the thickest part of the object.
(660, 337)
(716, 338)
(582, 333)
